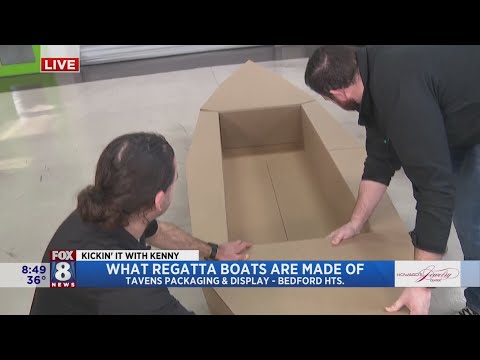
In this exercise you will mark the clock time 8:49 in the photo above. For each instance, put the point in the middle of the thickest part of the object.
(34, 270)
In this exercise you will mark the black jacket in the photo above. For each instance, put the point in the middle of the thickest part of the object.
(74, 234)
(420, 101)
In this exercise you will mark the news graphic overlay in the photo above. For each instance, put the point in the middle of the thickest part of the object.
(142, 270)
(62, 268)
(21, 275)
(149, 272)
(183, 268)
(60, 58)
(129, 268)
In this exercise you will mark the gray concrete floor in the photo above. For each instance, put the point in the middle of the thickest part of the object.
(51, 138)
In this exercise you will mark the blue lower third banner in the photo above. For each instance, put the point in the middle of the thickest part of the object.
(111, 274)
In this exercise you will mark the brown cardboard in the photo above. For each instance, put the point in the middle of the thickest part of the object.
(269, 165)
(250, 87)
(205, 181)
(273, 126)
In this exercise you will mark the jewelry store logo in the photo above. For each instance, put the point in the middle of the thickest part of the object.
(431, 274)
(427, 274)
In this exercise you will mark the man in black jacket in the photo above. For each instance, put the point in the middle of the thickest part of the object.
(420, 106)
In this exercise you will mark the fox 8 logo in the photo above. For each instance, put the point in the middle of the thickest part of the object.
(62, 265)
(63, 271)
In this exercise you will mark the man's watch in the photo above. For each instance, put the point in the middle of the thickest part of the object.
(213, 253)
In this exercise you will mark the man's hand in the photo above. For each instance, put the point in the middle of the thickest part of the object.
(344, 232)
(369, 195)
(233, 250)
(417, 300)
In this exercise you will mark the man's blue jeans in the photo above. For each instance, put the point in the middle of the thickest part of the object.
(466, 215)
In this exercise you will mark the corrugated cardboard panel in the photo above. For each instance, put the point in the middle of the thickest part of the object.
(338, 195)
(303, 204)
(385, 218)
(205, 181)
(275, 126)
(263, 152)
(320, 300)
(252, 209)
(310, 301)
(253, 86)
(215, 302)
(333, 135)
